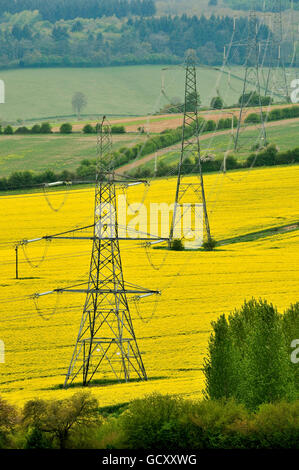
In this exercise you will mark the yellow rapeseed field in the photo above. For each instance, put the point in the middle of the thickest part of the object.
(196, 286)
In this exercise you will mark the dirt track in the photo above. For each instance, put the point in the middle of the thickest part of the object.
(153, 124)
(147, 158)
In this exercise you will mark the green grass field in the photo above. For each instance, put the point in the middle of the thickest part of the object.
(51, 152)
(45, 94)
(285, 136)
(132, 90)
(64, 152)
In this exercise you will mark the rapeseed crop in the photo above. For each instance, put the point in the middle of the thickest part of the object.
(196, 286)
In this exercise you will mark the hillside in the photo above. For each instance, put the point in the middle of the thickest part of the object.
(46, 94)
(119, 91)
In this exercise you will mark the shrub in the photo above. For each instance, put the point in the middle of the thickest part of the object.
(210, 126)
(275, 115)
(143, 422)
(88, 129)
(9, 418)
(277, 425)
(177, 245)
(66, 128)
(118, 129)
(253, 118)
(36, 129)
(267, 156)
(45, 128)
(8, 130)
(209, 245)
(217, 103)
(22, 130)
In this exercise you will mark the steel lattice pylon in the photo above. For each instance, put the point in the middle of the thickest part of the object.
(106, 335)
(277, 83)
(190, 147)
(252, 80)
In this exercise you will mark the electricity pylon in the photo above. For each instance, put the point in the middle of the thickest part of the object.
(106, 333)
(106, 341)
(252, 81)
(190, 147)
(277, 82)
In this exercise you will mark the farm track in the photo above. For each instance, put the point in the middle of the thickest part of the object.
(159, 123)
(166, 150)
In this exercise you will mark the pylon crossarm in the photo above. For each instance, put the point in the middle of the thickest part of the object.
(156, 242)
(139, 297)
(98, 291)
(102, 291)
(109, 238)
(56, 183)
(57, 235)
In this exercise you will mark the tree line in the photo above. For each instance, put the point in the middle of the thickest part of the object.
(261, 5)
(136, 40)
(54, 10)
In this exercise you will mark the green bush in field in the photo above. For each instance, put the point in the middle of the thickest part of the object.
(35, 129)
(276, 426)
(248, 358)
(253, 118)
(45, 128)
(209, 245)
(66, 128)
(266, 157)
(145, 418)
(275, 115)
(166, 422)
(8, 130)
(22, 130)
(177, 245)
(118, 129)
(217, 103)
(88, 129)
(210, 126)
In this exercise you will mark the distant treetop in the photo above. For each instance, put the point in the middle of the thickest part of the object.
(54, 10)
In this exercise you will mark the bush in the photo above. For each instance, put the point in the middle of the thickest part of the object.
(210, 126)
(88, 129)
(253, 118)
(217, 103)
(209, 245)
(8, 130)
(9, 418)
(177, 245)
(66, 128)
(276, 426)
(145, 419)
(118, 129)
(266, 157)
(36, 129)
(22, 130)
(275, 115)
(45, 128)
